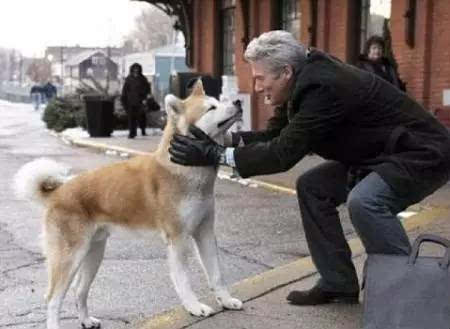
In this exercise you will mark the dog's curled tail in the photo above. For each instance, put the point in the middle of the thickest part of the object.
(37, 179)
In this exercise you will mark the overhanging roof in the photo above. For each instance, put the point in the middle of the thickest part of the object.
(181, 9)
(77, 59)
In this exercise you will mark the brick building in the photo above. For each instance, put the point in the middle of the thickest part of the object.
(217, 32)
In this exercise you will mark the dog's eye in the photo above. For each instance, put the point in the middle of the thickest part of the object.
(212, 108)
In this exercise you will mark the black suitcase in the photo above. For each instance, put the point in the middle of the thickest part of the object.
(408, 292)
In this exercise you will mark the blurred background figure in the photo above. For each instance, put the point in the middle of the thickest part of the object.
(374, 61)
(36, 94)
(49, 91)
(135, 92)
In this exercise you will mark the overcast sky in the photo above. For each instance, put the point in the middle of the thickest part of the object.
(381, 7)
(32, 25)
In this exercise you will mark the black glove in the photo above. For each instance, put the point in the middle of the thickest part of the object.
(199, 151)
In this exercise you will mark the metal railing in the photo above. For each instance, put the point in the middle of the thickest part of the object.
(14, 93)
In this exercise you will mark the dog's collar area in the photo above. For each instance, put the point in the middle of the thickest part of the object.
(234, 117)
(221, 124)
(174, 127)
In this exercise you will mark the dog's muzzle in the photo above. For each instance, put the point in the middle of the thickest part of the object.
(238, 115)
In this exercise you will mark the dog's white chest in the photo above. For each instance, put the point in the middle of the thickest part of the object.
(194, 209)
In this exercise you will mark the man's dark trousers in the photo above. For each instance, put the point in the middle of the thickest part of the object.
(142, 120)
(132, 113)
(136, 116)
(373, 207)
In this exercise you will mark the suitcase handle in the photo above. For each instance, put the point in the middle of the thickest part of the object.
(444, 262)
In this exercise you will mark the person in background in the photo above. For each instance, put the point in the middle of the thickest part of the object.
(373, 61)
(135, 92)
(36, 96)
(49, 91)
(383, 151)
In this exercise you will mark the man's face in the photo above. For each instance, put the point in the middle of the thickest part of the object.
(135, 72)
(375, 52)
(276, 87)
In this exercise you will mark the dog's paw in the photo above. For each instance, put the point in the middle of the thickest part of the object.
(230, 303)
(91, 323)
(199, 309)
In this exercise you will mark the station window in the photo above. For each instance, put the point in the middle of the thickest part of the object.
(375, 16)
(291, 17)
(228, 43)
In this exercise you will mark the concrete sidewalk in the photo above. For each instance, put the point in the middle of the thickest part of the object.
(264, 294)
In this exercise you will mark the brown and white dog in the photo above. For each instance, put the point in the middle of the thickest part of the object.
(144, 193)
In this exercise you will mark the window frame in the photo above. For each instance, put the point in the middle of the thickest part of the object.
(228, 43)
(287, 17)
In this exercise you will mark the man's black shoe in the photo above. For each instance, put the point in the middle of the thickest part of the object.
(317, 296)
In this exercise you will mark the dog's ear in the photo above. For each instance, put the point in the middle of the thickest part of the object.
(174, 105)
(198, 90)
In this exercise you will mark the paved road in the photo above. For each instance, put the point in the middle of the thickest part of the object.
(257, 230)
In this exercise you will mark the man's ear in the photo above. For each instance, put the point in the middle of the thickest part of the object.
(174, 106)
(288, 71)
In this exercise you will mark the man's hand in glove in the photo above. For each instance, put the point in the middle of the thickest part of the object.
(199, 151)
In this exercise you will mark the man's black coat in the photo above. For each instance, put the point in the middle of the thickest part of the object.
(135, 89)
(383, 68)
(346, 114)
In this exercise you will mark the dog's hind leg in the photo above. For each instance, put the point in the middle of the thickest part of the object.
(177, 263)
(85, 277)
(63, 261)
(206, 243)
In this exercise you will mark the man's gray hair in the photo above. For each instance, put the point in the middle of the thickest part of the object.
(276, 49)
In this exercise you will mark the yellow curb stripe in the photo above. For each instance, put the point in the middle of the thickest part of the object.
(260, 284)
(274, 187)
(263, 283)
(259, 183)
(106, 147)
(424, 218)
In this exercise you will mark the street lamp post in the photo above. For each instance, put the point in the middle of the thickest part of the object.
(50, 60)
(62, 69)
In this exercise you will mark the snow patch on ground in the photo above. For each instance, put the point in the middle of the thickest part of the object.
(27, 106)
(78, 132)
(237, 179)
(406, 214)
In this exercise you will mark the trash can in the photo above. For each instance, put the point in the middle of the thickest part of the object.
(99, 115)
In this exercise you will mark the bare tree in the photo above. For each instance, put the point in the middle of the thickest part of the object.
(11, 64)
(39, 70)
(4, 64)
(128, 46)
(153, 29)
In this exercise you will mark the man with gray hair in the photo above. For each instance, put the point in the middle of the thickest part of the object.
(384, 152)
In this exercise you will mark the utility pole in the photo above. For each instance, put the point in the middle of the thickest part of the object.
(12, 65)
(21, 69)
(62, 68)
(108, 55)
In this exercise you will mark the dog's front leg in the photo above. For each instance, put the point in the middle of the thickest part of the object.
(207, 249)
(177, 263)
(86, 275)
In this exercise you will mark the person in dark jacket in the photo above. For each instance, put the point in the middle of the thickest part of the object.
(384, 151)
(373, 61)
(135, 91)
(36, 96)
(49, 92)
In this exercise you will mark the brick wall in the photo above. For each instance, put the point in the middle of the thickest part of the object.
(206, 29)
(338, 28)
(425, 68)
(412, 61)
(440, 59)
